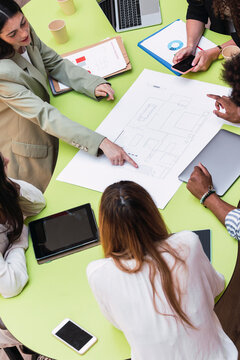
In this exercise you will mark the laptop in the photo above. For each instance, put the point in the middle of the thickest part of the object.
(221, 157)
(131, 14)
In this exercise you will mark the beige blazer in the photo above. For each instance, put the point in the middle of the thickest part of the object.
(29, 125)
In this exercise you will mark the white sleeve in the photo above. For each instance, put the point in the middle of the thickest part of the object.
(31, 199)
(93, 281)
(13, 273)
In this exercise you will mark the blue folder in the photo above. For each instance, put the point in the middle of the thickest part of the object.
(158, 58)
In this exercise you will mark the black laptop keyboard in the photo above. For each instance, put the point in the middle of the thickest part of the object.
(129, 13)
(106, 8)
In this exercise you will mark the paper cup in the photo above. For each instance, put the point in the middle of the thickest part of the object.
(59, 31)
(229, 51)
(67, 6)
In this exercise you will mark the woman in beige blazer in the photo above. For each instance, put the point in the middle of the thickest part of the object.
(29, 125)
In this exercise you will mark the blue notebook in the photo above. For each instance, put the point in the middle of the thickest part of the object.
(165, 43)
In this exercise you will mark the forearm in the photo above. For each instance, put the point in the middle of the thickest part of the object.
(218, 207)
(13, 273)
(195, 30)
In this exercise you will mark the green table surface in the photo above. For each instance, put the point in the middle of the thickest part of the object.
(59, 289)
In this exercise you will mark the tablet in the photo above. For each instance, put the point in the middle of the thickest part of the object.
(205, 238)
(221, 157)
(64, 233)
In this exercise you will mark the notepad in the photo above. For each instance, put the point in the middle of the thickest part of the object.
(106, 59)
(165, 43)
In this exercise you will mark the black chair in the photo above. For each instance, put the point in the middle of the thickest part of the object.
(13, 353)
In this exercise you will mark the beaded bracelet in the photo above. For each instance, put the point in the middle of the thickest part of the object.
(210, 191)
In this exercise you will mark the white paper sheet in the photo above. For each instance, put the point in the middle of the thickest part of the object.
(101, 60)
(167, 42)
(162, 122)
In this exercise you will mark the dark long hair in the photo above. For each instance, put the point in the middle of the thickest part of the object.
(131, 227)
(220, 7)
(8, 8)
(9, 205)
(231, 74)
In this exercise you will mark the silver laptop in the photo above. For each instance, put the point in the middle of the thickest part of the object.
(221, 157)
(131, 14)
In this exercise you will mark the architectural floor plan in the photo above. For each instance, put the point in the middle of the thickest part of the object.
(162, 122)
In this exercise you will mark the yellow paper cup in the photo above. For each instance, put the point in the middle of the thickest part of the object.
(67, 6)
(229, 51)
(59, 31)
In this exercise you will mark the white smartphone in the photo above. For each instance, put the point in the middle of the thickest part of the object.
(74, 336)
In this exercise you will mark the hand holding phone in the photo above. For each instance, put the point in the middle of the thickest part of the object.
(74, 336)
(185, 65)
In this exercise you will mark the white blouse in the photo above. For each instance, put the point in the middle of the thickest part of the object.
(126, 301)
(13, 269)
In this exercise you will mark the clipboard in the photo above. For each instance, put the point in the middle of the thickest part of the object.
(155, 56)
(54, 84)
(173, 41)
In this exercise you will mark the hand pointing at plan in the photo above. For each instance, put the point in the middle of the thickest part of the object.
(115, 153)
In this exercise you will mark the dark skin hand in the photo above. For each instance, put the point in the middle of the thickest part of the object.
(198, 184)
(232, 111)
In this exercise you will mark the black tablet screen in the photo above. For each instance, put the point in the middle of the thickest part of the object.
(63, 231)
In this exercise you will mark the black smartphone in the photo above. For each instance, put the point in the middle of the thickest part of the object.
(185, 65)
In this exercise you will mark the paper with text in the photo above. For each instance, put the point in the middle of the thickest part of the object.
(102, 59)
(162, 122)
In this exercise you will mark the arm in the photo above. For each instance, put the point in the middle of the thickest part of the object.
(13, 270)
(31, 199)
(71, 75)
(198, 184)
(195, 30)
(28, 105)
(204, 58)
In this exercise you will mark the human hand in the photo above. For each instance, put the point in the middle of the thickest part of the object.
(105, 90)
(183, 53)
(199, 181)
(204, 59)
(232, 111)
(115, 153)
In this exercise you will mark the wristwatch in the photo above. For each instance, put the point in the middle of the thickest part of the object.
(220, 56)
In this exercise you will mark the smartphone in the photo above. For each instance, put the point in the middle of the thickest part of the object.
(185, 65)
(74, 336)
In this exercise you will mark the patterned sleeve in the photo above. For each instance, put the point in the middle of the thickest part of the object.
(232, 223)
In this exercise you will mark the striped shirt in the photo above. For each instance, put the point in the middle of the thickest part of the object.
(232, 222)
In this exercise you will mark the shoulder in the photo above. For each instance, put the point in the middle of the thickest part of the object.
(232, 223)
(98, 267)
(186, 243)
(8, 69)
(185, 237)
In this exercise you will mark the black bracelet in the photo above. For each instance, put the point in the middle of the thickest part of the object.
(210, 191)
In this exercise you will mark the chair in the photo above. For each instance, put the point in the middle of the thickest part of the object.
(13, 353)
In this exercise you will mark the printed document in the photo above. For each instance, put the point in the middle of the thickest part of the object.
(102, 59)
(162, 122)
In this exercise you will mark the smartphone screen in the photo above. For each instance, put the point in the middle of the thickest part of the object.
(184, 65)
(75, 336)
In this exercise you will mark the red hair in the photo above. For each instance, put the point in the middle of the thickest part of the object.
(131, 227)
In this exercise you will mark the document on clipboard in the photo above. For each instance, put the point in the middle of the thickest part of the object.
(106, 59)
(165, 43)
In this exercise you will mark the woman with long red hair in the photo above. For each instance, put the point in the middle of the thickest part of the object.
(158, 288)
